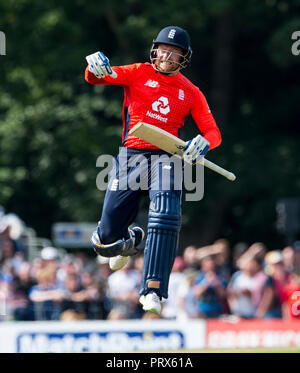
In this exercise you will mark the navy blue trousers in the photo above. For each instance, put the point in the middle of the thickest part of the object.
(136, 174)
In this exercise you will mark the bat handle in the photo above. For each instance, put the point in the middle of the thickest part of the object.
(229, 175)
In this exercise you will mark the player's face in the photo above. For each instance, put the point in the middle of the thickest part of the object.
(168, 58)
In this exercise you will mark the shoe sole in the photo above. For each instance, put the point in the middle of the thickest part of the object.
(118, 262)
(153, 310)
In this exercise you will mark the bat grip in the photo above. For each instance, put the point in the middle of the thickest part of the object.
(229, 175)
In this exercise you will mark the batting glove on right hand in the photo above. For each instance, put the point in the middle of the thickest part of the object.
(99, 65)
(196, 149)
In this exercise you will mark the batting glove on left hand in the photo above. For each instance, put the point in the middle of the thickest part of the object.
(99, 65)
(196, 149)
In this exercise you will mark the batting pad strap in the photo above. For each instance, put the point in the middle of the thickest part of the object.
(119, 247)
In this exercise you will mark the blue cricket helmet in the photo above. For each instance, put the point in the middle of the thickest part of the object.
(177, 36)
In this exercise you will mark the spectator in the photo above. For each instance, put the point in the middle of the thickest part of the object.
(187, 306)
(238, 250)
(23, 283)
(246, 287)
(169, 309)
(46, 296)
(123, 290)
(49, 256)
(68, 266)
(72, 286)
(36, 266)
(272, 299)
(8, 254)
(288, 258)
(256, 251)
(210, 290)
(291, 297)
(93, 296)
(297, 256)
(7, 296)
(222, 258)
(104, 270)
(190, 257)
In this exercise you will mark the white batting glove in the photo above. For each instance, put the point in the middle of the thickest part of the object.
(196, 148)
(99, 65)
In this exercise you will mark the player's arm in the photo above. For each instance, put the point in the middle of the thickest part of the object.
(210, 136)
(100, 72)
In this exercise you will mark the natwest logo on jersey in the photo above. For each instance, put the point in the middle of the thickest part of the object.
(162, 106)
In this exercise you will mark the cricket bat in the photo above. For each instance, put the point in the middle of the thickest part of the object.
(172, 144)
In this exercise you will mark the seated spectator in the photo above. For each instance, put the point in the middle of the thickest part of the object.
(187, 305)
(169, 306)
(46, 296)
(210, 290)
(291, 297)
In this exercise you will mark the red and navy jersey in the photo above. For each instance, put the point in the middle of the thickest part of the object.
(161, 100)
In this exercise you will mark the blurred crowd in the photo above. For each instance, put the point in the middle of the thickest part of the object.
(215, 281)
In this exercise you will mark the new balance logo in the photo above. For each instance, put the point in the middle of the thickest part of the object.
(161, 105)
(171, 34)
(151, 83)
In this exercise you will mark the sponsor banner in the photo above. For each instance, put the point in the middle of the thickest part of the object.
(100, 336)
(252, 333)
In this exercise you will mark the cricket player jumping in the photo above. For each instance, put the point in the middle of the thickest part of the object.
(159, 94)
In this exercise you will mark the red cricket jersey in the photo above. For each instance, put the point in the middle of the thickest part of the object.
(161, 100)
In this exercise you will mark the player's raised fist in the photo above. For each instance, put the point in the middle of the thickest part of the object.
(99, 65)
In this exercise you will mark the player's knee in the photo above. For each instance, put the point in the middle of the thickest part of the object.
(165, 211)
(108, 235)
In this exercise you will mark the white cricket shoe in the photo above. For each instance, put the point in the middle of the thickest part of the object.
(151, 303)
(118, 262)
